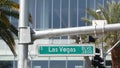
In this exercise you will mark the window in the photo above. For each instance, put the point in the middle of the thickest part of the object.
(75, 64)
(57, 64)
(57, 13)
(39, 64)
(6, 64)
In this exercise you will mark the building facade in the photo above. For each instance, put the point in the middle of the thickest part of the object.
(53, 14)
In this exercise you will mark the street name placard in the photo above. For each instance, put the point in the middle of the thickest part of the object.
(66, 50)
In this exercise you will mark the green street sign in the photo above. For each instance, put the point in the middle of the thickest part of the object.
(66, 50)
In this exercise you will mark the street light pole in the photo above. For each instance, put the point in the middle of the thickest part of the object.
(23, 32)
(74, 31)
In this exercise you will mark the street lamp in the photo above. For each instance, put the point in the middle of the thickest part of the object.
(98, 11)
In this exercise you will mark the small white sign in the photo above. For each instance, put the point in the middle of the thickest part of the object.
(99, 22)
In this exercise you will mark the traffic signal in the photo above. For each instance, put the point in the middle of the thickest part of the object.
(91, 39)
(97, 61)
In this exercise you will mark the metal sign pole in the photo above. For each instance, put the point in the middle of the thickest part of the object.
(24, 33)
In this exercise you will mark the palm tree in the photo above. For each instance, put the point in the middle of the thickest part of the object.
(8, 8)
(111, 13)
(7, 29)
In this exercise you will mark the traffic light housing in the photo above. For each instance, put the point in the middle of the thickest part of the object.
(97, 61)
(91, 39)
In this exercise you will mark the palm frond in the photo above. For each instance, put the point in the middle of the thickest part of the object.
(105, 13)
(86, 20)
(14, 13)
(10, 12)
(8, 38)
(9, 4)
(94, 14)
(9, 8)
(111, 13)
(4, 19)
(13, 29)
(2, 24)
